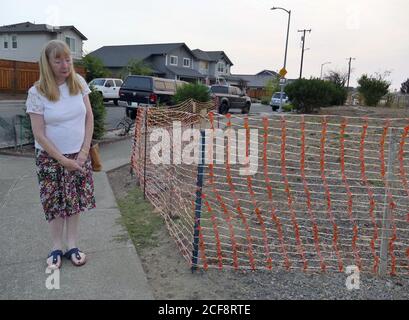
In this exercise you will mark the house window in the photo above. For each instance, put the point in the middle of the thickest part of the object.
(14, 42)
(71, 43)
(6, 42)
(173, 60)
(220, 67)
(204, 65)
(186, 62)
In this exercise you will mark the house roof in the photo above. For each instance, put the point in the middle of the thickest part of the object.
(119, 56)
(201, 55)
(28, 27)
(267, 73)
(185, 72)
(213, 56)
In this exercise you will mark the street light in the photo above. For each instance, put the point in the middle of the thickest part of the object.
(322, 65)
(285, 55)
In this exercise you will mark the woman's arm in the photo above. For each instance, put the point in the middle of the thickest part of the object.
(38, 126)
(89, 131)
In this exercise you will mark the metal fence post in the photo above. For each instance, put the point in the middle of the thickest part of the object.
(198, 202)
(387, 213)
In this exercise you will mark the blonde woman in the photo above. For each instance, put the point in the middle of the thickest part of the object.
(63, 124)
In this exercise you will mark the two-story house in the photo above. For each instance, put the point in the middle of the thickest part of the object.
(168, 60)
(24, 41)
(214, 65)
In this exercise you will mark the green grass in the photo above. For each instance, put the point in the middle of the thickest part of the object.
(139, 219)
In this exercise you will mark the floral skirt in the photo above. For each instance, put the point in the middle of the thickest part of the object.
(64, 193)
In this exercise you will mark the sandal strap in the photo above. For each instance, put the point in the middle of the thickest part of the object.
(72, 251)
(55, 254)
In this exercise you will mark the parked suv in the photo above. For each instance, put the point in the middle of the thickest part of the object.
(230, 97)
(142, 91)
(275, 100)
(108, 87)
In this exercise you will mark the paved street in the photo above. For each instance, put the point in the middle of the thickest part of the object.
(256, 109)
(10, 109)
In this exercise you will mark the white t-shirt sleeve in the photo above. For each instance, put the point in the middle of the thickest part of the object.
(85, 89)
(34, 104)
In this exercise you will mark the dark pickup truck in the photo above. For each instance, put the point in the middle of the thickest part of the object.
(146, 91)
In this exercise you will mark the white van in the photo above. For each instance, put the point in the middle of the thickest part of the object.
(108, 87)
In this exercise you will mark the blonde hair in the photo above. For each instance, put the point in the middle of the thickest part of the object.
(47, 84)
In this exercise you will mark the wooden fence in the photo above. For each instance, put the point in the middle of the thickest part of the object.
(19, 76)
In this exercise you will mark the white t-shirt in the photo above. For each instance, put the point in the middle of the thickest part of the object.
(64, 120)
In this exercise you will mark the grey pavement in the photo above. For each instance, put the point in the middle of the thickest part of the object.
(113, 269)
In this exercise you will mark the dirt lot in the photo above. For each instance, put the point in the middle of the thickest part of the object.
(371, 112)
(170, 277)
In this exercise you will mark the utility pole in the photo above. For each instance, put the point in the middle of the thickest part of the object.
(303, 45)
(349, 70)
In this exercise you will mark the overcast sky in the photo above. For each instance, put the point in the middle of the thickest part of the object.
(375, 32)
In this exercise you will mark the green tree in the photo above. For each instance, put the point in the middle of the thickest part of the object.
(136, 67)
(95, 68)
(271, 86)
(196, 91)
(405, 87)
(98, 109)
(308, 95)
(340, 93)
(337, 77)
(373, 87)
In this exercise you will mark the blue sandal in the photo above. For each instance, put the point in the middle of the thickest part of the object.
(75, 251)
(55, 254)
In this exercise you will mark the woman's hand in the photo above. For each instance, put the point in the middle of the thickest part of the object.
(71, 165)
(82, 157)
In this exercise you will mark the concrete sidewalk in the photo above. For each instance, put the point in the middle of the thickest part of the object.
(113, 270)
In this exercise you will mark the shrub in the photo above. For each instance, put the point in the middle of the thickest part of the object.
(98, 109)
(136, 67)
(196, 91)
(405, 87)
(288, 107)
(26, 127)
(307, 95)
(265, 100)
(270, 87)
(95, 68)
(340, 93)
(339, 96)
(373, 88)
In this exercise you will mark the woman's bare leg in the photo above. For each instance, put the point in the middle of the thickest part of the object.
(56, 227)
(72, 235)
